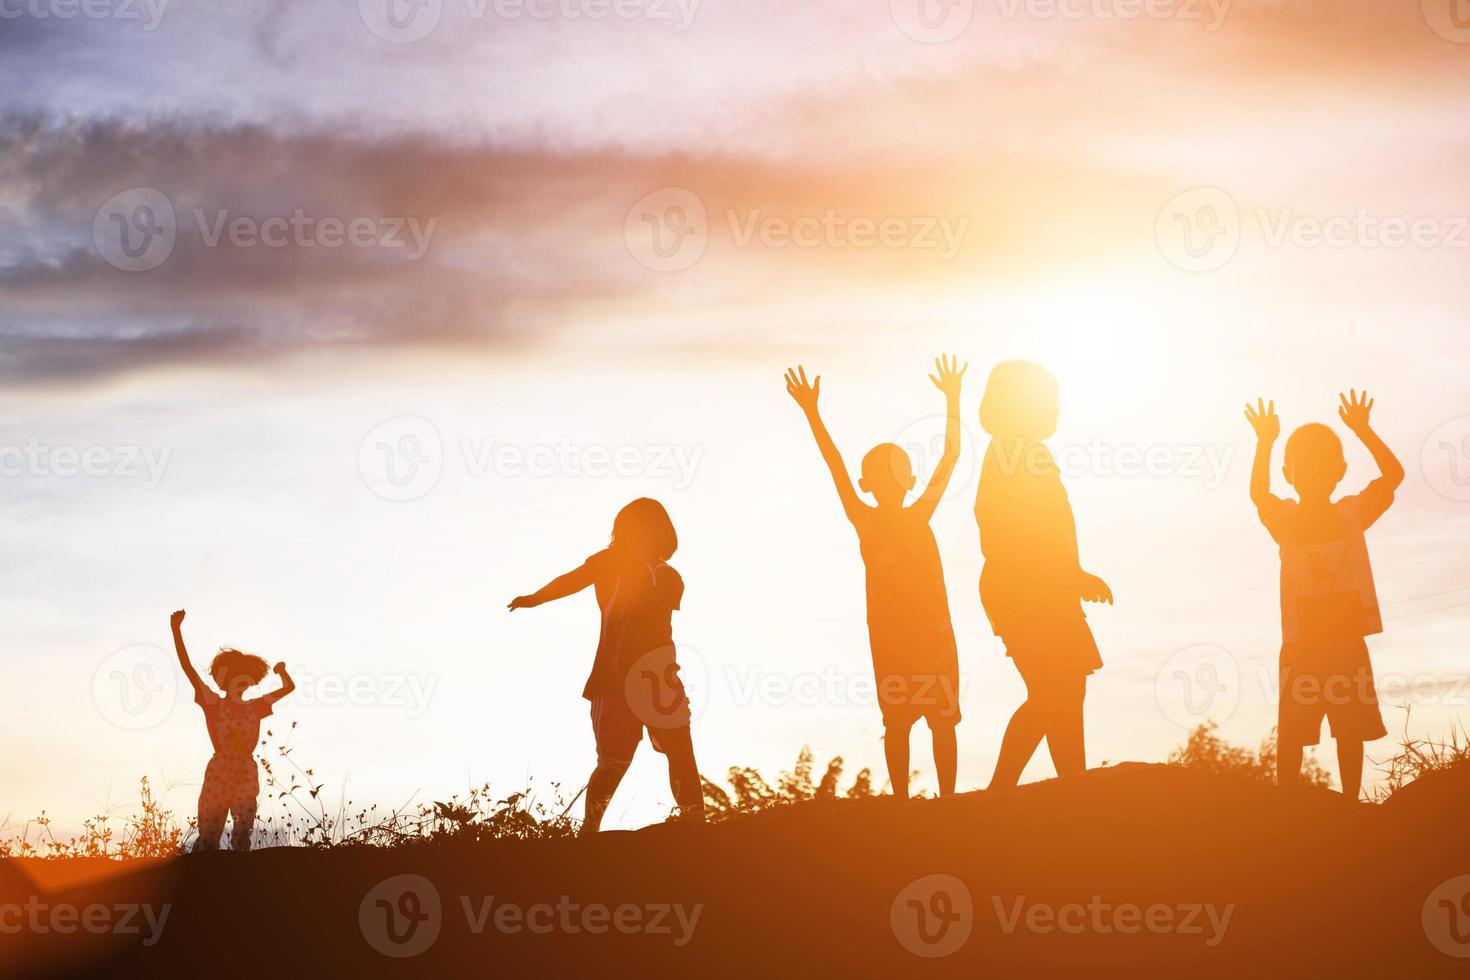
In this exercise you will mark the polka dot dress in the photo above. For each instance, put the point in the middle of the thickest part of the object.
(231, 780)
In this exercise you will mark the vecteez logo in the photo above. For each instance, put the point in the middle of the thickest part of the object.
(1450, 19)
(401, 916)
(664, 685)
(1198, 230)
(932, 21)
(400, 21)
(135, 230)
(136, 687)
(667, 230)
(1446, 917)
(402, 458)
(933, 916)
(1445, 459)
(1198, 683)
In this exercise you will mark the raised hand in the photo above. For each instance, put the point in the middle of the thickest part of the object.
(280, 669)
(1094, 589)
(177, 619)
(799, 388)
(1354, 410)
(948, 375)
(1264, 420)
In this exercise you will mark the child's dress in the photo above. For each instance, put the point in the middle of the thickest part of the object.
(634, 683)
(231, 779)
(1029, 584)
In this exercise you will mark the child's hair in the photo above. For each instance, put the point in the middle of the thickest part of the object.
(231, 666)
(644, 527)
(1314, 456)
(1021, 400)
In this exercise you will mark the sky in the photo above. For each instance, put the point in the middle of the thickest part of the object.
(341, 324)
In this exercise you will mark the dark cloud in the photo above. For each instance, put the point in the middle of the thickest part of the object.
(469, 244)
(264, 260)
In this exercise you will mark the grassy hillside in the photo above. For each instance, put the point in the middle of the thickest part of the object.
(1134, 870)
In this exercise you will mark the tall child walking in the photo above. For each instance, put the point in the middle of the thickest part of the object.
(1032, 584)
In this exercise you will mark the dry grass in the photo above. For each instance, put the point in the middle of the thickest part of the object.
(293, 812)
(1418, 757)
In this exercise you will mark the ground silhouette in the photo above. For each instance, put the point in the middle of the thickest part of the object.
(808, 891)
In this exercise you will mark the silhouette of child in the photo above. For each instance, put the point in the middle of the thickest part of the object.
(231, 780)
(1032, 585)
(909, 632)
(1328, 601)
(634, 684)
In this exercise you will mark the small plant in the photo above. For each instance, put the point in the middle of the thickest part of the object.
(151, 833)
(1206, 751)
(1418, 757)
(751, 793)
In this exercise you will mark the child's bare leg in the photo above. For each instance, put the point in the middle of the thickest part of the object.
(600, 789)
(896, 752)
(1288, 763)
(1350, 767)
(211, 818)
(243, 814)
(1020, 742)
(946, 755)
(678, 747)
(1064, 732)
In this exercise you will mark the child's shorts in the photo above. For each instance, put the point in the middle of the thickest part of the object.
(905, 698)
(1329, 679)
(618, 730)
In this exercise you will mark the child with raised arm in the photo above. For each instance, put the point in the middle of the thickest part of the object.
(1328, 601)
(231, 780)
(634, 684)
(909, 630)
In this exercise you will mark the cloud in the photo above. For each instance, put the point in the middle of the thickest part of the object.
(494, 164)
(456, 244)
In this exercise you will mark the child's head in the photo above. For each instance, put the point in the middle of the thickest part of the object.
(643, 529)
(1314, 464)
(1020, 402)
(888, 474)
(234, 672)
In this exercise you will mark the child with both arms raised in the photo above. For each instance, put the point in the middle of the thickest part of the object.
(909, 632)
(1328, 601)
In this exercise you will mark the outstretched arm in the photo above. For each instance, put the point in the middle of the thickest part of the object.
(947, 379)
(1267, 425)
(1354, 413)
(805, 394)
(558, 588)
(176, 621)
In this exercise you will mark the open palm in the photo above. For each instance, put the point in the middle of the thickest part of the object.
(1263, 419)
(948, 374)
(1354, 410)
(805, 392)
